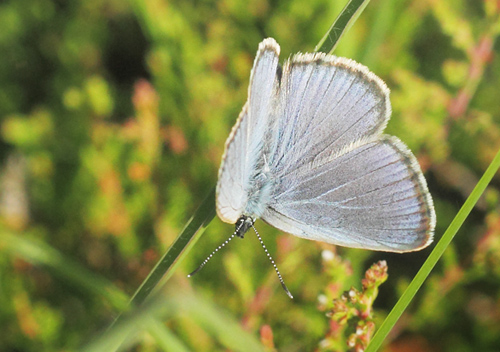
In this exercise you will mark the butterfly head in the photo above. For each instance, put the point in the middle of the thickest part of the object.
(243, 224)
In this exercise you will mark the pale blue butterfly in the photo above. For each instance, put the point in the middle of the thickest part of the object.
(308, 156)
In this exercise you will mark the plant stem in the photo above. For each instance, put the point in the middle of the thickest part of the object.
(166, 265)
(341, 25)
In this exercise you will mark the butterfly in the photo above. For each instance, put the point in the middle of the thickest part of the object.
(308, 156)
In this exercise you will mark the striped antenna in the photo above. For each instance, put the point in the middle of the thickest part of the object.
(273, 263)
(215, 251)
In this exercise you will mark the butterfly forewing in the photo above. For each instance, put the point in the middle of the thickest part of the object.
(326, 104)
(246, 143)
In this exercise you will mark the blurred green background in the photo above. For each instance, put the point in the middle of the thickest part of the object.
(113, 118)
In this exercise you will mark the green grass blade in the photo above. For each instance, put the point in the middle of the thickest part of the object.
(39, 253)
(341, 25)
(433, 258)
(166, 339)
(164, 269)
(213, 320)
(166, 265)
(124, 331)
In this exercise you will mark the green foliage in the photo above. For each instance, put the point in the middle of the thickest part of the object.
(113, 117)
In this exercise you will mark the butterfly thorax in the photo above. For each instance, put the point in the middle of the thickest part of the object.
(259, 191)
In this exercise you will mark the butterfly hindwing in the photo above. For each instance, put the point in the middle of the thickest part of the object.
(371, 196)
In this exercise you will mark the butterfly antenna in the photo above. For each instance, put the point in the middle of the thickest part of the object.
(215, 251)
(273, 263)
